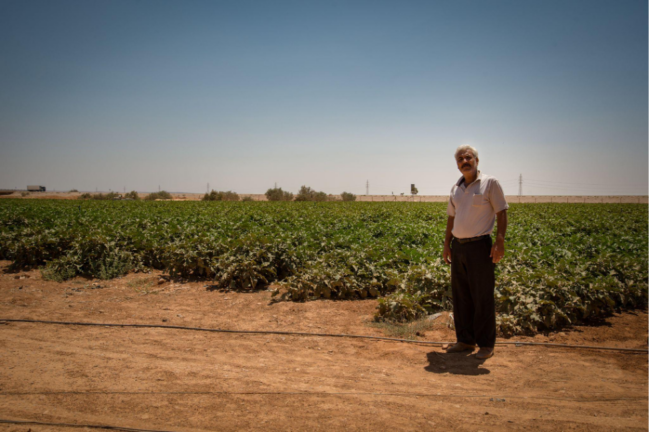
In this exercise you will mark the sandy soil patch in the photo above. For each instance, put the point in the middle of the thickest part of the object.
(189, 381)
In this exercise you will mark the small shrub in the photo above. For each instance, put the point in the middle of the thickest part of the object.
(133, 195)
(347, 196)
(308, 194)
(24, 194)
(108, 196)
(401, 307)
(111, 196)
(113, 264)
(277, 194)
(99, 196)
(106, 264)
(163, 195)
(61, 270)
(248, 199)
(73, 191)
(220, 196)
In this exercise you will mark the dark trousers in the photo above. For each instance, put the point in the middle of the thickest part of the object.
(472, 287)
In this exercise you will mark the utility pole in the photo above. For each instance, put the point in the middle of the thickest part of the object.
(520, 183)
(158, 188)
(207, 189)
(367, 187)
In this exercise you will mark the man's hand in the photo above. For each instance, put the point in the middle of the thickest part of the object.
(498, 249)
(446, 254)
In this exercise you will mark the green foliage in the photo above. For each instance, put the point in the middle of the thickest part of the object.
(133, 195)
(95, 257)
(162, 195)
(24, 194)
(424, 289)
(73, 191)
(85, 196)
(564, 263)
(60, 270)
(111, 265)
(248, 198)
(347, 196)
(277, 194)
(308, 194)
(220, 196)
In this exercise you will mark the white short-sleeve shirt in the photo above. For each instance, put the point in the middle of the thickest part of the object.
(474, 207)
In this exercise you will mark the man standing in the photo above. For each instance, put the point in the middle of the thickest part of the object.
(475, 202)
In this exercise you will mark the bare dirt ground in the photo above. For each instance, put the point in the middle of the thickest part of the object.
(189, 381)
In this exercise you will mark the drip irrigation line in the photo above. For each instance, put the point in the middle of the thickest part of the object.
(276, 393)
(288, 333)
(78, 425)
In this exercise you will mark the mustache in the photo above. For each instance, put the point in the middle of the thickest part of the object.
(466, 165)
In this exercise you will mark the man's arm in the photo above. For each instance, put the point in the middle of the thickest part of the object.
(498, 248)
(446, 252)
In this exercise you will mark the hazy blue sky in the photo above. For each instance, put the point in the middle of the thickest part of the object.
(243, 94)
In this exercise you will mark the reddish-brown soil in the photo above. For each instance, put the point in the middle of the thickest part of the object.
(188, 381)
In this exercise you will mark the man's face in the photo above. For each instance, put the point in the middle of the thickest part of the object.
(466, 161)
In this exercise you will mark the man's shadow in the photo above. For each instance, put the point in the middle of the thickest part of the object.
(463, 363)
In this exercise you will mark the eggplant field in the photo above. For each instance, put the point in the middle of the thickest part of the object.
(564, 263)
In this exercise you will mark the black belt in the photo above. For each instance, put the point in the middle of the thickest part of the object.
(471, 239)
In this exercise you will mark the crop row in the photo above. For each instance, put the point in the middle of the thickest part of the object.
(563, 264)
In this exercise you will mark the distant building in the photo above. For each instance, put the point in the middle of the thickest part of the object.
(36, 188)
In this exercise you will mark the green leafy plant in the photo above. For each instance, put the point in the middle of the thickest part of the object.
(564, 263)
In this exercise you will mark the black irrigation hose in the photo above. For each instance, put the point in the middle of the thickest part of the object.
(312, 334)
(77, 425)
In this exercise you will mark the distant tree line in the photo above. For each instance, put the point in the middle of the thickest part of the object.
(305, 194)
(133, 195)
